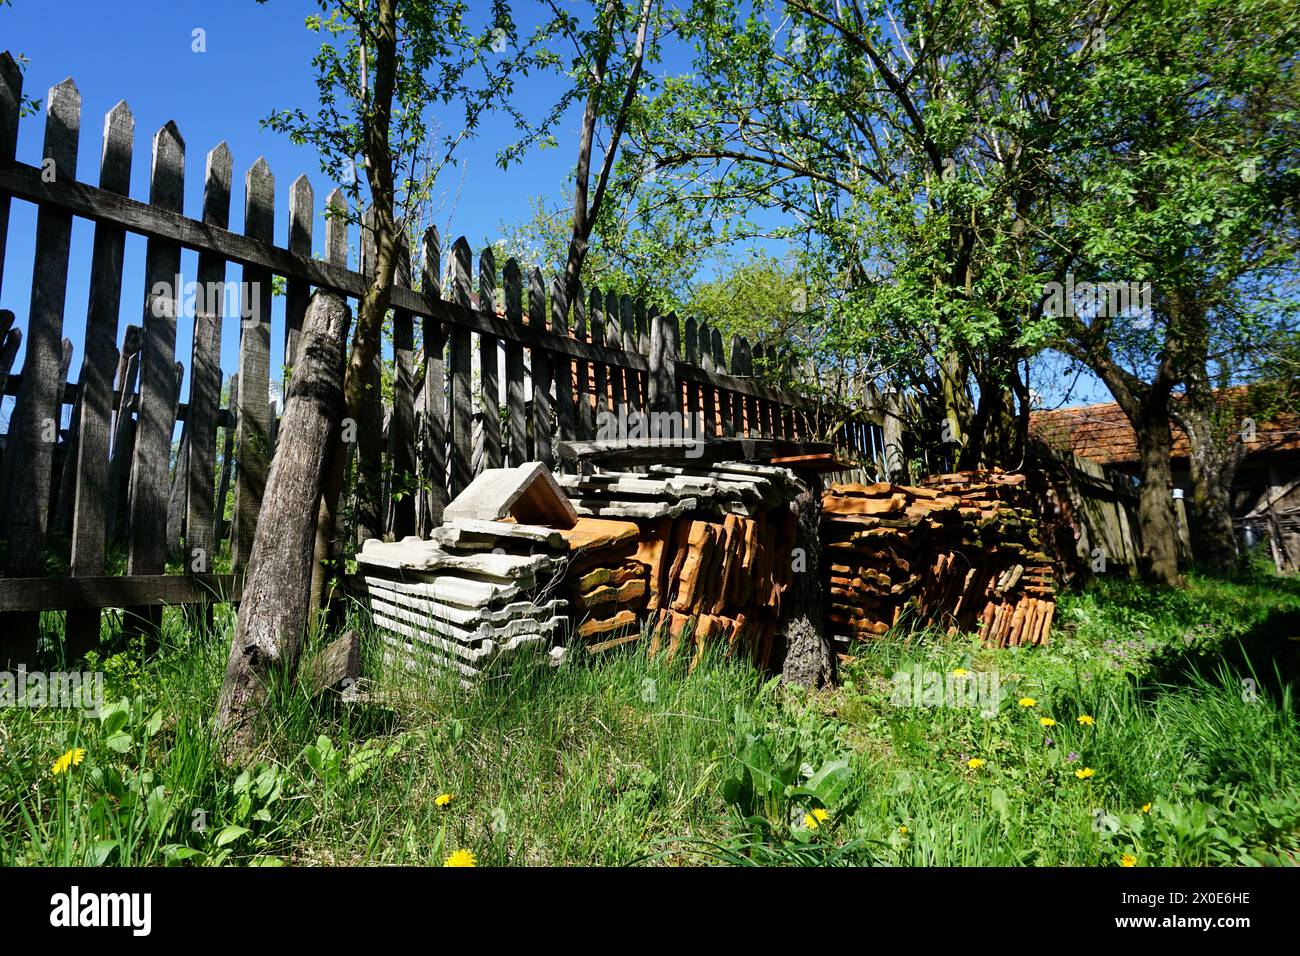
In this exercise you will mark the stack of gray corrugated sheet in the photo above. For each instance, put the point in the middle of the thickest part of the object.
(461, 602)
(669, 491)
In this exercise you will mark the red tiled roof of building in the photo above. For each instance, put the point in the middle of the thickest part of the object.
(1102, 433)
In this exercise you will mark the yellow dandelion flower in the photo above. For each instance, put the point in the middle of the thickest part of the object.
(70, 759)
(1146, 808)
(1047, 721)
(1085, 773)
(1128, 859)
(902, 830)
(443, 799)
(1086, 720)
(815, 819)
(959, 672)
(461, 858)
(1028, 702)
(975, 763)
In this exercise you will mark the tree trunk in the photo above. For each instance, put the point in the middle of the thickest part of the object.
(809, 657)
(1214, 457)
(273, 614)
(1158, 554)
(1146, 406)
(375, 301)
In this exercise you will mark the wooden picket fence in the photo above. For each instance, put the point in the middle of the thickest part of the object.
(111, 472)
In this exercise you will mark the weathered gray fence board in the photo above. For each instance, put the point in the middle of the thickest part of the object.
(541, 371)
(100, 360)
(219, 528)
(582, 398)
(205, 373)
(434, 334)
(302, 203)
(516, 423)
(561, 366)
(124, 591)
(151, 455)
(99, 363)
(402, 430)
(600, 371)
(33, 428)
(11, 96)
(614, 339)
(254, 427)
(489, 364)
(462, 408)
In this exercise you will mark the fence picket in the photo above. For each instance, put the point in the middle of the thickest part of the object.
(401, 436)
(561, 366)
(27, 470)
(600, 373)
(516, 422)
(33, 429)
(205, 374)
(302, 204)
(489, 364)
(581, 380)
(11, 100)
(462, 408)
(614, 338)
(434, 334)
(541, 371)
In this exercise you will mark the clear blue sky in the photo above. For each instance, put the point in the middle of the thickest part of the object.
(257, 59)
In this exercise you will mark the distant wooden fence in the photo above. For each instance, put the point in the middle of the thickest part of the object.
(111, 474)
(1092, 512)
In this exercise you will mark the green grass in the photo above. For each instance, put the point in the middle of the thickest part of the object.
(628, 760)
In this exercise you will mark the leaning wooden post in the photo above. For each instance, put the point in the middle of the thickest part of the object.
(323, 563)
(276, 598)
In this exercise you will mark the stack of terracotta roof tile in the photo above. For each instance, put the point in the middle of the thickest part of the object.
(960, 552)
(712, 557)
